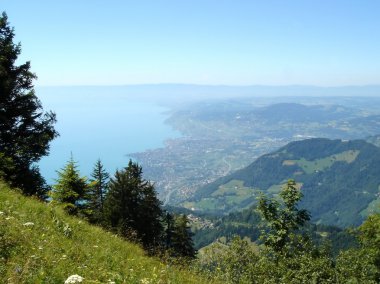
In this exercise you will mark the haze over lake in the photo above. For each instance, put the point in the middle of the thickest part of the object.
(103, 124)
(110, 122)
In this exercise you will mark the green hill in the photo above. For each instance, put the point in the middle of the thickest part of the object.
(41, 244)
(340, 181)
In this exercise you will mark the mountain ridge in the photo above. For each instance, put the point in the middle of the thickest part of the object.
(339, 179)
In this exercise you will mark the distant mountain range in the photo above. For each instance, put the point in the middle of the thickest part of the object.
(340, 181)
(180, 93)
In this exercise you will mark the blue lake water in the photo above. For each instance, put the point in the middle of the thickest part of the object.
(106, 126)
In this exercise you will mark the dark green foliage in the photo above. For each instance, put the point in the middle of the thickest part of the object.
(181, 240)
(169, 230)
(25, 130)
(362, 265)
(132, 207)
(337, 238)
(370, 232)
(298, 261)
(6, 164)
(97, 191)
(133, 210)
(246, 224)
(283, 219)
(70, 189)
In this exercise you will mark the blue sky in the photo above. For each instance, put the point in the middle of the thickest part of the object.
(236, 42)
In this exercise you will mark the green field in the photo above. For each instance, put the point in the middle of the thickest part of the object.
(226, 198)
(310, 167)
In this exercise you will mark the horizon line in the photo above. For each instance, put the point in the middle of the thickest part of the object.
(208, 85)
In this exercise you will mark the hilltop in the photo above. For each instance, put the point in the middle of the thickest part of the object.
(41, 244)
(339, 180)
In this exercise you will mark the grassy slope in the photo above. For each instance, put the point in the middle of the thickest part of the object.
(57, 246)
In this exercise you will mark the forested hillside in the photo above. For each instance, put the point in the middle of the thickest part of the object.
(340, 180)
(248, 224)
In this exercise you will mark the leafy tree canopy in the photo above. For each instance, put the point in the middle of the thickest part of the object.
(283, 218)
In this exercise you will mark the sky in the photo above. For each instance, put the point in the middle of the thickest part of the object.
(216, 42)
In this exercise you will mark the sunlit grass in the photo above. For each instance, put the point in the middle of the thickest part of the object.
(41, 244)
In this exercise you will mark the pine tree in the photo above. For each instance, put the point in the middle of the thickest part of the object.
(150, 227)
(182, 242)
(120, 202)
(97, 192)
(169, 230)
(132, 207)
(70, 189)
(25, 130)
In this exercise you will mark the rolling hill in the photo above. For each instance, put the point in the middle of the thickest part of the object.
(340, 181)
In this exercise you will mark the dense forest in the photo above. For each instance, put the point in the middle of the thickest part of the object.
(126, 205)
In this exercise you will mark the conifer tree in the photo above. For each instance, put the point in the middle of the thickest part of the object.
(132, 206)
(182, 243)
(169, 230)
(25, 130)
(70, 189)
(97, 191)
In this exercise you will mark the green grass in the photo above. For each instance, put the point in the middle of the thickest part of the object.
(41, 244)
(234, 187)
(310, 167)
(275, 189)
(226, 197)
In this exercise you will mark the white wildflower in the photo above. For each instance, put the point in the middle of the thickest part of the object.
(1, 213)
(145, 281)
(74, 279)
(28, 224)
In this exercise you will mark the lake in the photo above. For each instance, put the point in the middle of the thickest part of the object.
(107, 125)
